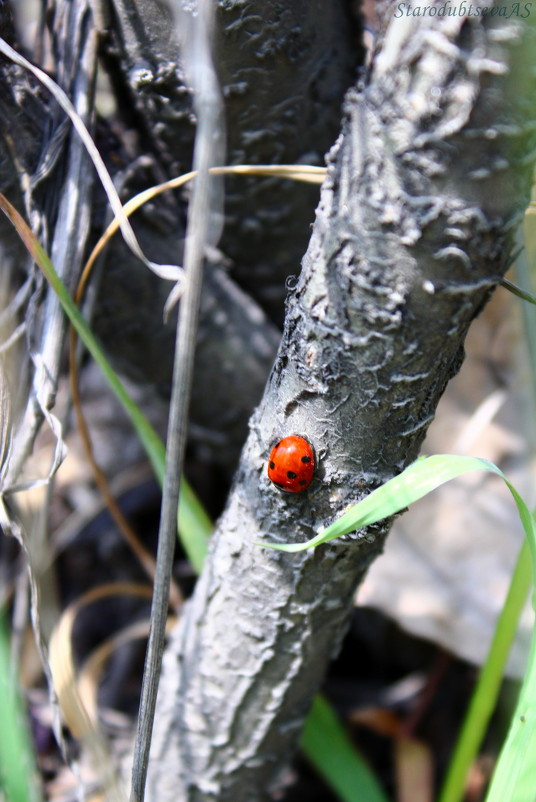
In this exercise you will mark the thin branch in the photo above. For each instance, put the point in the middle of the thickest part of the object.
(208, 109)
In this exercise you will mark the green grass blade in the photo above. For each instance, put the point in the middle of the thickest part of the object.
(190, 511)
(195, 526)
(514, 774)
(484, 698)
(18, 774)
(514, 779)
(419, 479)
(327, 745)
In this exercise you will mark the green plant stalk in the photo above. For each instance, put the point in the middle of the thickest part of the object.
(514, 779)
(18, 774)
(484, 698)
(326, 745)
(524, 277)
(191, 512)
(515, 775)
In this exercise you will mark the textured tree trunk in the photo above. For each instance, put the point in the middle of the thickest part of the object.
(413, 231)
(284, 67)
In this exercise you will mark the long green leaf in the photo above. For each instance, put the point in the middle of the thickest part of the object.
(514, 779)
(190, 510)
(516, 745)
(419, 479)
(486, 693)
(18, 773)
(327, 746)
(518, 291)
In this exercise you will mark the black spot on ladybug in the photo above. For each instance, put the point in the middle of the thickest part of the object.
(291, 464)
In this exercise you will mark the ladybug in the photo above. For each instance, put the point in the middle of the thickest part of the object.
(292, 464)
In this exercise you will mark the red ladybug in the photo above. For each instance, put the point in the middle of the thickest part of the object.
(292, 464)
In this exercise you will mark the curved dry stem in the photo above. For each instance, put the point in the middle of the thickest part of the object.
(144, 557)
(295, 172)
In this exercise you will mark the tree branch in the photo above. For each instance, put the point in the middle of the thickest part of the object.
(284, 66)
(413, 231)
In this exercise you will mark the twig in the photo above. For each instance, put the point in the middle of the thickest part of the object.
(208, 106)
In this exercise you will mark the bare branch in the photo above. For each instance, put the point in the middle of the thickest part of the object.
(414, 229)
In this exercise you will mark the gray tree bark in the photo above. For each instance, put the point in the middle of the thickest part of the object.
(414, 230)
(284, 68)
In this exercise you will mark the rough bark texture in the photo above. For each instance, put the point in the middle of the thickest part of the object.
(235, 350)
(413, 231)
(284, 67)
(236, 341)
